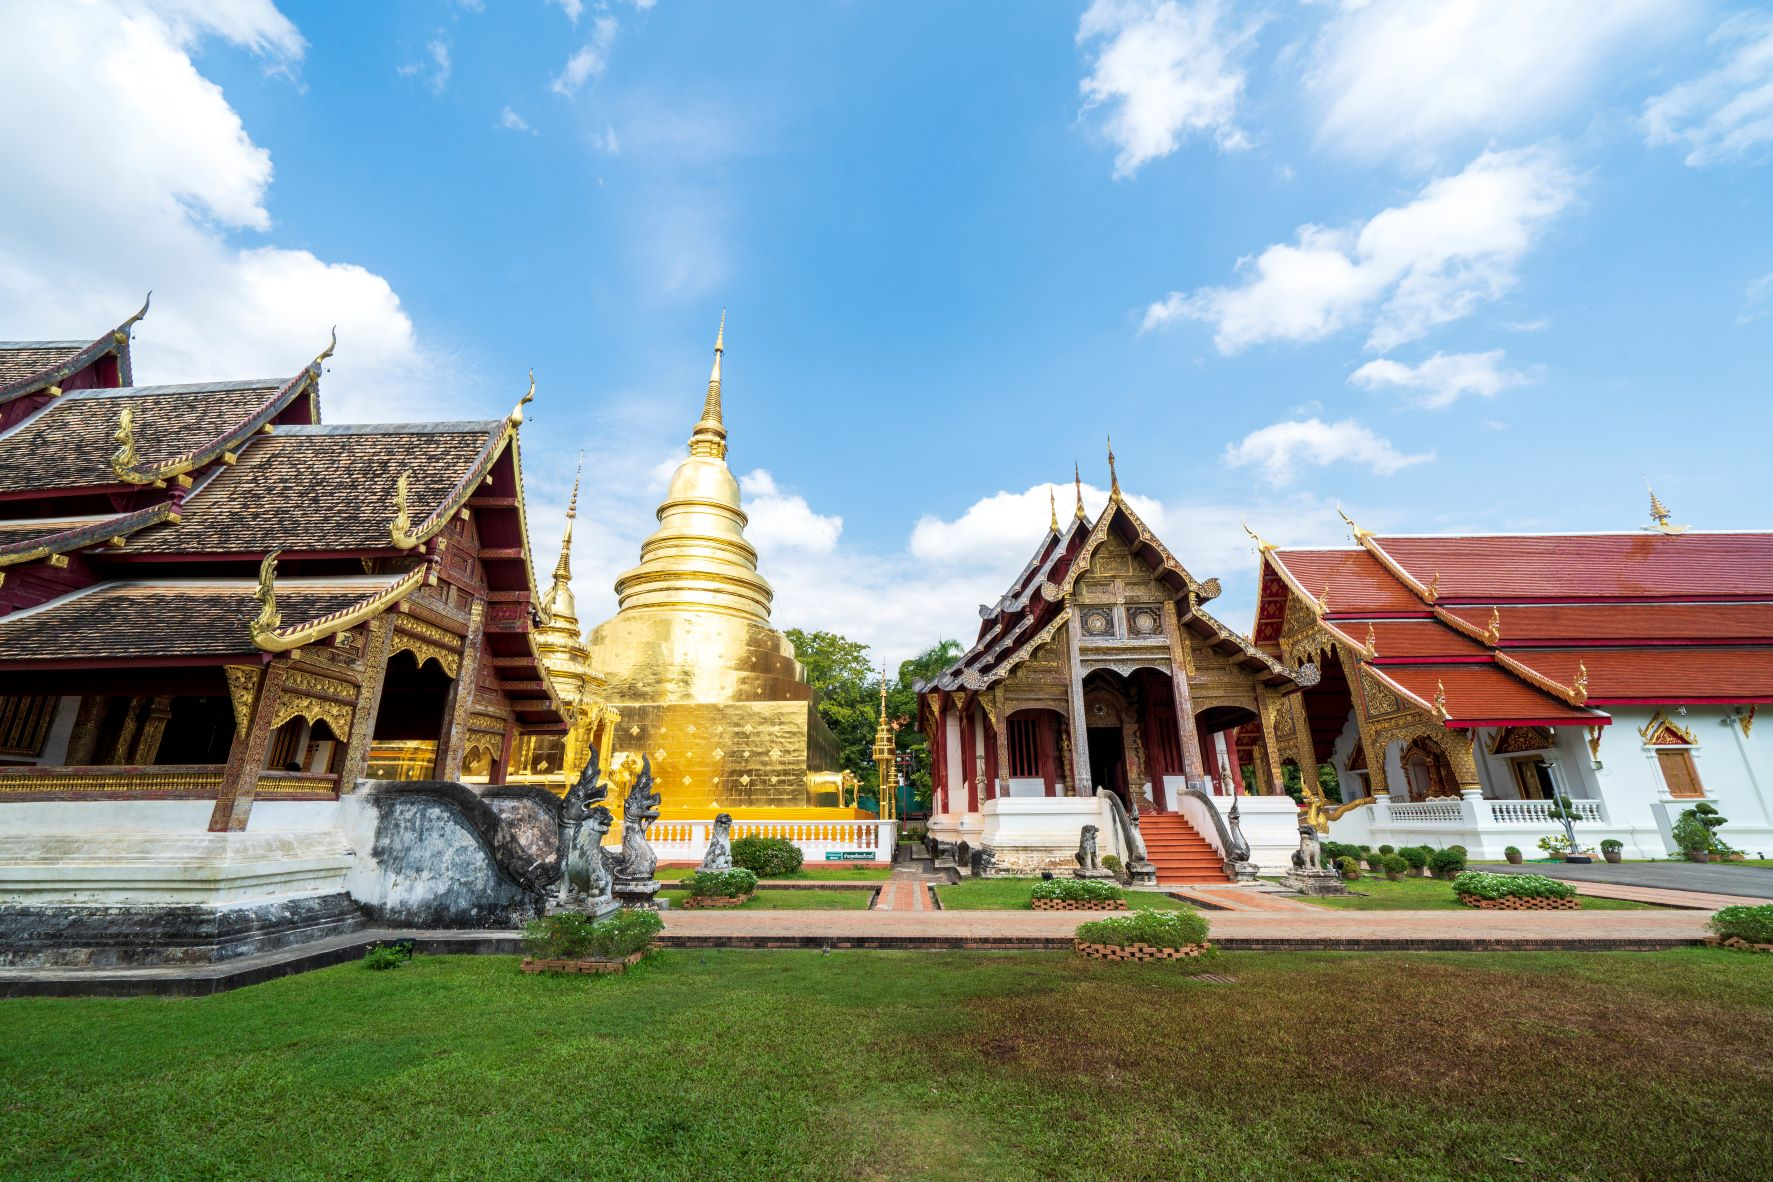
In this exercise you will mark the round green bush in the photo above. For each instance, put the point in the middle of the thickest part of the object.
(1448, 862)
(1482, 885)
(1077, 890)
(1349, 869)
(1754, 924)
(767, 857)
(721, 884)
(569, 935)
(1160, 929)
(1413, 857)
(1511, 851)
(1387, 850)
(1395, 864)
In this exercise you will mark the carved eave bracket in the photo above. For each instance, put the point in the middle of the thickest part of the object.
(269, 636)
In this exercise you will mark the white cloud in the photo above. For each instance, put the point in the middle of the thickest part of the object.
(1414, 77)
(1169, 70)
(606, 141)
(510, 120)
(1757, 301)
(1726, 115)
(783, 521)
(1444, 378)
(1433, 260)
(574, 9)
(590, 60)
(1280, 449)
(1002, 530)
(181, 173)
(439, 67)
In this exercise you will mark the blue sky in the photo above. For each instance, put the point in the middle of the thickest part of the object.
(1452, 266)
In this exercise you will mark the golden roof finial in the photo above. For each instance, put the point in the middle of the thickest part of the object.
(1432, 592)
(1659, 515)
(1113, 476)
(400, 529)
(1052, 510)
(326, 352)
(516, 416)
(121, 334)
(1579, 688)
(1262, 547)
(1360, 535)
(1323, 602)
(1372, 642)
(1077, 484)
(1493, 634)
(268, 617)
(563, 571)
(125, 458)
(709, 436)
(1440, 701)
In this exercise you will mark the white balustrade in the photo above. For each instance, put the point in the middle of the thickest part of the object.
(1536, 812)
(1433, 812)
(687, 841)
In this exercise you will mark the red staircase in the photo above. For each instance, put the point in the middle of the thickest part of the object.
(1179, 852)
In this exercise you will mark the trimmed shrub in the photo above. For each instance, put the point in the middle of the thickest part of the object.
(1111, 864)
(1077, 890)
(1754, 924)
(1461, 850)
(1481, 885)
(1697, 829)
(1413, 857)
(1448, 862)
(1394, 865)
(767, 857)
(1349, 869)
(721, 884)
(381, 957)
(1612, 845)
(569, 935)
(1387, 850)
(1160, 929)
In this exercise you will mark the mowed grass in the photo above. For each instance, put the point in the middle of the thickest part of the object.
(878, 1065)
(835, 872)
(1376, 893)
(1012, 894)
(798, 900)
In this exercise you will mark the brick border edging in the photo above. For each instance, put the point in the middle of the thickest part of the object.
(1078, 904)
(699, 902)
(1138, 952)
(531, 965)
(1522, 903)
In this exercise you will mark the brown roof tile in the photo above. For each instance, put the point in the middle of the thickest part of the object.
(321, 488)
(23, 359)
(69, 443)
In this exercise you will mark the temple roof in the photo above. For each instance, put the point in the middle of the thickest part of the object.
(70, 442)
(31, 367)
(25, 539)
(26, 359)
(1564, 567)
(162, 621)
(1483, 695)
(315, 488)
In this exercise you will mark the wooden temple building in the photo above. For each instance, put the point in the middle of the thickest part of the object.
(1100, 669)
(1458, 685)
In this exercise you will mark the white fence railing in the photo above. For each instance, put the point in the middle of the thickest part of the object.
(819, 841)
(1445, 812)
(1534, 812)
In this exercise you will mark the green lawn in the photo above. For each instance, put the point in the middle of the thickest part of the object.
(870, 1065)
(807, 900)
(1011, 894)
(1376, 893)
(813, 872)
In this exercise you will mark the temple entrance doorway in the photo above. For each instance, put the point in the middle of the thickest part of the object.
(409, 720)
(1108, 761)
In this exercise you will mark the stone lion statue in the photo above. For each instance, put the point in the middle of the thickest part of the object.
(1087, 858)
(720, 845)
(1309, 855)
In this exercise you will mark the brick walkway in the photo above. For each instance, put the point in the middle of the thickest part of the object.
(904, 893)
(1693, 900)
(1236, 899)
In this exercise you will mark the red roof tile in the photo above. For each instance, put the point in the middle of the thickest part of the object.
(1588, 566)
(1358, 583)
(1412, 639)
(1484, 695)
(1668, 673)
(1538, 624)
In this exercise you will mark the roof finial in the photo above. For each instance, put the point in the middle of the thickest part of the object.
(1432, 592)
(1262, 547)
(1052, 510)
(121, 333)
(709, 436)
(125, 457)
(1360, 535)
(516, 415)
(1077, 483)
(1372, 642)
(1113, 476)
(1493, 634)
(1440, 702)
(268, 617)
(400, 529)
(1579, 688)
(1659, 515)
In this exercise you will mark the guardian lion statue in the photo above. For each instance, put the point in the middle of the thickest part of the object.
(1309, 855)
(720, 846)
(1087, 858)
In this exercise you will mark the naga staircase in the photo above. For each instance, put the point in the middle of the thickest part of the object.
(1179, 852)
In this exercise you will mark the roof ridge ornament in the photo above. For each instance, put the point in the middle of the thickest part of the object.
(121, 333)
(1113, 475)
(1579, 687)
(515, 418)
(1052, 510)
(1372, 642)
(400, 529)
(326, 352)
(1432, 592)
(1659, 516)
(1262, 547)
(125, 459)
(1360, 535)
(1440, 701)
(1493, 634)
(1077, 484)
(268, 618)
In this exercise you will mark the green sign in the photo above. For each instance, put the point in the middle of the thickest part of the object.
(849, 855)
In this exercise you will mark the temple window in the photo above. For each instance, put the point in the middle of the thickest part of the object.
(24, 725)
(1024, 747)
(1532, 777)
(1674, 748)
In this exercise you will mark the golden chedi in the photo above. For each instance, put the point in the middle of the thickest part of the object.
(702, 683)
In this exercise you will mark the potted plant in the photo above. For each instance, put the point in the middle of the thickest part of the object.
(1613, 849)
(1695, 833)
(1513, 854)
(1416, 858)
(1348, 868)
(1563, 809)
(1447, 863)
(1394, 867)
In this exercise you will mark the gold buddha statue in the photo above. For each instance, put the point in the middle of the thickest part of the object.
(701, 682)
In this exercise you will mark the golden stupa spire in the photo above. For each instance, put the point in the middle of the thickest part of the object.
(1077, 483)
(884, 757)
(1659, 515)
(1113, 476)
(709, 437)
(563, 570)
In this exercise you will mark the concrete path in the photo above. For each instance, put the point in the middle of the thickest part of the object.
(1231, 898)
(1743, 884)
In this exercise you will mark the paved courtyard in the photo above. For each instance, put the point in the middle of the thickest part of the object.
(1751, 882)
